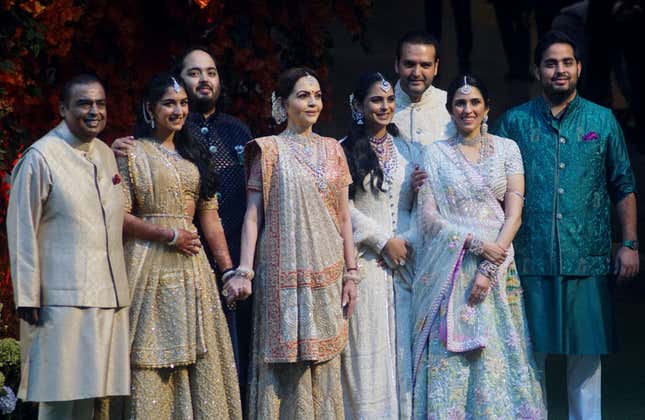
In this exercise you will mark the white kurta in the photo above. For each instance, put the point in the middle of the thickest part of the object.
(425, 121)
(377, 362)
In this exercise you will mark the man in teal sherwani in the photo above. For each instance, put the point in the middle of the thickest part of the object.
(576, 165)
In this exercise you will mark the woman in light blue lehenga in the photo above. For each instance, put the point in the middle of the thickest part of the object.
(472, 357)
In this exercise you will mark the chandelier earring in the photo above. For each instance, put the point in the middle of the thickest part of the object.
(357, 115)
(278, 112)
(147, 118)
(484, 128)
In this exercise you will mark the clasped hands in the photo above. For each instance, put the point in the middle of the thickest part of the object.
(496, 254)
(237, 288)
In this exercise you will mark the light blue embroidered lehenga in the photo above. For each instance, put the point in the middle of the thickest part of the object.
(468, 362)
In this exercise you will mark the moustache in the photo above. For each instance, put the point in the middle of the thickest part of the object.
(560, 76)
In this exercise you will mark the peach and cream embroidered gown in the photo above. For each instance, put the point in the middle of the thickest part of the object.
(181, 356)
(298, 325)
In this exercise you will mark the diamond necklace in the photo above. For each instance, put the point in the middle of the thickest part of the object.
(302, 148)
(386, 154)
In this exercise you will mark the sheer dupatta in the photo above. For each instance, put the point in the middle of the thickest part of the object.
(454, 202)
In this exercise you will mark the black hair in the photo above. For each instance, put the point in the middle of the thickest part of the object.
(417, 37)
(361, 158)
(458, 82)
(178, 65)
(81, 79)
(288, 79)
(189, 148)
(550, 38)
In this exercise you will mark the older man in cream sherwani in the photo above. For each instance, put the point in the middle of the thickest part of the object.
(64, 225)
(421, 113)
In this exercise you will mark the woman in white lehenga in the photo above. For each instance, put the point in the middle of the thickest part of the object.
(382, 200)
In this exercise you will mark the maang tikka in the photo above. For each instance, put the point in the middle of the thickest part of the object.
(466, 89)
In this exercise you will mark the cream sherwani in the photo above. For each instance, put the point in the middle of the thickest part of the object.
(64, 224)
(425, 121)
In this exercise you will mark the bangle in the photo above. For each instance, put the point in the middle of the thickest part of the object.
(175, 236)
(353, 277)
(351, 269)
(489, 270)
(226, 275)
(476, 246)
(246, 273)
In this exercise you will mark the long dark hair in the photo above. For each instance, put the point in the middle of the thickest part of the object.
(186, 146)
(361, 159)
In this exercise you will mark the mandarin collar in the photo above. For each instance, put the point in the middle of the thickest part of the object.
(62, 130)
(403, 100)
(198, 118)
(545, 108)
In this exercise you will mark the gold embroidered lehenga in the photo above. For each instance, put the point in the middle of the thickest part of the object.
(181, 356)
(298, 325)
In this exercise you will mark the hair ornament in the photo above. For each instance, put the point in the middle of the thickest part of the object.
(385, 85)
(147, 118)
(357, 115)
(175, 85)
(466, 88)
(278, 112)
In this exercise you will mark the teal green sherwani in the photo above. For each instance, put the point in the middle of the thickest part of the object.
(576, 165)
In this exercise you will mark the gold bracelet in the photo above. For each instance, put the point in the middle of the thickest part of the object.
(354, 277)
(246, 273)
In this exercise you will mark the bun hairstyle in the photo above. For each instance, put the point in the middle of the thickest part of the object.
(361, 158)
(185, 145)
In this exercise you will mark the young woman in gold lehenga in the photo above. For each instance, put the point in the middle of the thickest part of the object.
(298, 214)
(181, 357)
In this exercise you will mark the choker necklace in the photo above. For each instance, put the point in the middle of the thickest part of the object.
(470, 142)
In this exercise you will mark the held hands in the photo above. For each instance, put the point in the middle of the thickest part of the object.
(494, 253)
(188, 243)
(349, 298)
(419, 177)
(481, 286)
(122, 145)
(237, 288)
(396, 250)
(627, 263)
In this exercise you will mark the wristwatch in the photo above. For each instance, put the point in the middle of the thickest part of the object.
(632, 244)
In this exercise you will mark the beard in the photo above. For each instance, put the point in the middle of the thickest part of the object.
(203, 105)
(559, 96)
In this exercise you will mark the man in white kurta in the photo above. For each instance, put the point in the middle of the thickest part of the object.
(421, 117)
(64, 225)
(421, 113)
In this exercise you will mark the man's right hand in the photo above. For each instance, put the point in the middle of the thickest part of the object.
(29, 315)
(122, 146)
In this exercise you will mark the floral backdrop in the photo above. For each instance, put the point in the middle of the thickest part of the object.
(44, 42)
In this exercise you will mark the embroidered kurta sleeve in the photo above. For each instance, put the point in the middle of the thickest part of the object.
(209, 204)
(513, 164)
(620, 176)
(255, 175)
(30, 188)
(367, 231)
(126, 182)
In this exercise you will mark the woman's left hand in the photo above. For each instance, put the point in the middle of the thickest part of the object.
(481, 287)
(237, 288)
(349, 298)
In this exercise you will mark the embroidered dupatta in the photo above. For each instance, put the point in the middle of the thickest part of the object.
(299, 262)
(454, 202)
